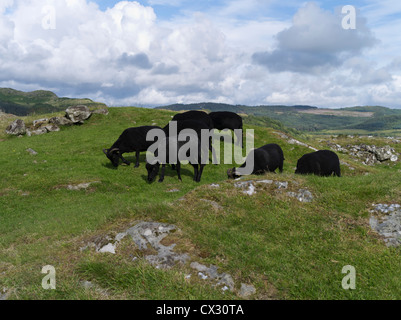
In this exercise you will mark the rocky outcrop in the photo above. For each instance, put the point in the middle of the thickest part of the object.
(73, 115)
(16, 128)
(61, 121)
(78, 114)
(368, 154)
(371, 154)
(389, 226)
(204, 272)
(252, 186)
(148, 237)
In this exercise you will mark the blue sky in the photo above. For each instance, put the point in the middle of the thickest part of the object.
(157, 52)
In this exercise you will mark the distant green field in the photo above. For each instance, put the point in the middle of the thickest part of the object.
(285, 248)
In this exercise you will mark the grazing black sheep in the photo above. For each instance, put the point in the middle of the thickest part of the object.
(228, 120)
(196, 125)
(172, 147)
(321, 163)
(195, 115)
(131, 140)
(266, 159)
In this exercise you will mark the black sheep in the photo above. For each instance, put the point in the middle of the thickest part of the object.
(195, 115)
(265, 159)
(194, 124)
(131, 140)
(228, 120)
(171, 147)
(321, 163)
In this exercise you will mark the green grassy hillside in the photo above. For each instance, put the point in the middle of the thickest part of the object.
(285, 248)
(38, 102)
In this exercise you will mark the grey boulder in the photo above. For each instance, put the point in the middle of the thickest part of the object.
(78, 114)
(16, 128)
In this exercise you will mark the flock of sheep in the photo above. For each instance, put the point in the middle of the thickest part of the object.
(267, 158)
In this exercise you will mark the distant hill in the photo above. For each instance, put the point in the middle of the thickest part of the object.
(38, 102)
(312, 119)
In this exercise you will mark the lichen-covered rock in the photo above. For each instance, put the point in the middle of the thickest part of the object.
(303, 195)
(16, 128)
(78, 114)
(221, 278)
(36, 132)
(61, 121)
(31, 151)
(40, 122)
(52, 128)
(371, 154)
(148, 235)
(246, 290)
(389, 226)
(384, 153)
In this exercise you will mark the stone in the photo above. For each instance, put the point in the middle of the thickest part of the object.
(52, 128)
(101, 111)
(247, 186)
(146, 234)
(81, 186)
(36, 132)
(31, 151)
(16, 128)
(383, 154)
(198, 266)
(222, 278)
(38, 123)
(371, 154)
(246, 290)
(281, 185)
(390, 225)
(61, 121)
(111, 248)
(303, 195)
(78, 114)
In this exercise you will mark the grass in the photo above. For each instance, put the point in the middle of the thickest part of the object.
(286, 249)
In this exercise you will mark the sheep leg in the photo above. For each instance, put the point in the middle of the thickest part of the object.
(178, 167)
(195, 172)
(211, 148)
(137, 159)
(162, 173)
(200, 172)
